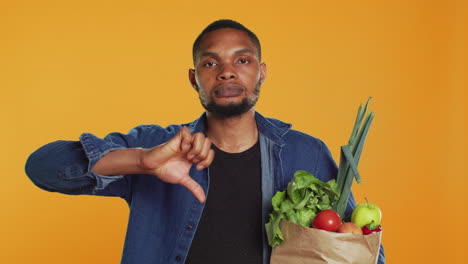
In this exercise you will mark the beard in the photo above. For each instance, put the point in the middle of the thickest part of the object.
(231, 109)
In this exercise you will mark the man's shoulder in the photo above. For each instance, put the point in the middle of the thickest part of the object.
(145, 135)
(153, 134)
(147, 131)
(302, 151)
(301, 141)
(296, 134)
(292, 136)
(154, 128)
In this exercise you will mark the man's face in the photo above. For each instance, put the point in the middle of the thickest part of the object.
(227, 73)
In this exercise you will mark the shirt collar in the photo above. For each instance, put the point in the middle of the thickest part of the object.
(272, 128)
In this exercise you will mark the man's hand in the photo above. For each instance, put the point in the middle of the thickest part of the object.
(171, 161)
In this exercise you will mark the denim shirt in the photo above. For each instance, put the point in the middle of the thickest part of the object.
(164, 217)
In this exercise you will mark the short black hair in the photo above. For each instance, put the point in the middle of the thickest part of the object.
(225, 23)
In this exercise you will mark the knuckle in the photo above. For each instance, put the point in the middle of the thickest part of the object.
(184, 181)
(195, 151)
(197, 148)
(200, 136)
(198, 188)
(211, 153)
(188, 183)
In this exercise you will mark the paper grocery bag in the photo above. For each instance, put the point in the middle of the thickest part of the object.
(304, 245)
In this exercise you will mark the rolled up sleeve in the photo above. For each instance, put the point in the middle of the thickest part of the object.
(65, 167)
(94, 149)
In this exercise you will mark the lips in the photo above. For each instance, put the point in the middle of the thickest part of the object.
(228, 90)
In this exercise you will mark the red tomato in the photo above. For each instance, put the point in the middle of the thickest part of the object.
(328, 220)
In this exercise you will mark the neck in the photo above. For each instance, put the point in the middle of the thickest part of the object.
(233, 134)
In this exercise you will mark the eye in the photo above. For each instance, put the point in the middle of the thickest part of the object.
(210, 64)
(243, 61)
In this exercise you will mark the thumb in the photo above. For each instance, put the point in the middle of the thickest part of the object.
(193, 187)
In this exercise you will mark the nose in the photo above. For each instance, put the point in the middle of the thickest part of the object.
(226, 73)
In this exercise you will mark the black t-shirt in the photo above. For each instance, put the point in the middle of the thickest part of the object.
(230, 229)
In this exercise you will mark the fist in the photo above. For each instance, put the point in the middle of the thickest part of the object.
(171, 161)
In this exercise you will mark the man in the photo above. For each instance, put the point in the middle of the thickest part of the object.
(232, 153)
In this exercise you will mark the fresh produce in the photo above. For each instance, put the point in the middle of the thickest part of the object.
(365, 214)
(327, 220)
(303, 199)
(306, 196)
(371, 228)
(349, 227)
(349, 158)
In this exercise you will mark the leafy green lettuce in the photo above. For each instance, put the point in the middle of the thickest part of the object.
(304, 197)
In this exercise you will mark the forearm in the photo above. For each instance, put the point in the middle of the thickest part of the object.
(121, 162)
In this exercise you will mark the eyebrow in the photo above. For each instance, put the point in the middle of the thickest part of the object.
(244, 51)
(214, 54)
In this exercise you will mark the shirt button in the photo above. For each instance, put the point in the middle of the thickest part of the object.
(189, 228)
(178, 258)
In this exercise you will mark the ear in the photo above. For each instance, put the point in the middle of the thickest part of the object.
(192, 79)
(263, 72)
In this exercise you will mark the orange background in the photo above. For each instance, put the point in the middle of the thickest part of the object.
(68, 67)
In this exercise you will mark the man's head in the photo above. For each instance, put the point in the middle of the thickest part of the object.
(225, 23)
(228, 73)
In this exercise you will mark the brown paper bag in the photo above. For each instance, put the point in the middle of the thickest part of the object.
(304, 245)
